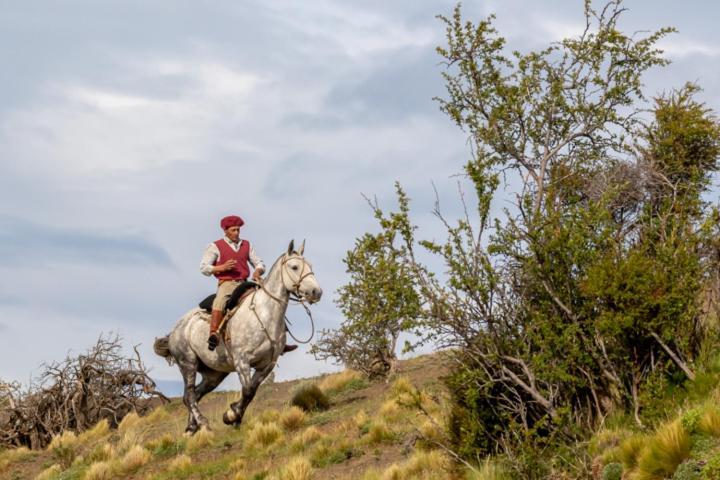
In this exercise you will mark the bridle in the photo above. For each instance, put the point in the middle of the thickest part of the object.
(294, 294)
(295, 290)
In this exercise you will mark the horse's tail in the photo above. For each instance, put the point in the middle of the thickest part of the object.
(162, 348)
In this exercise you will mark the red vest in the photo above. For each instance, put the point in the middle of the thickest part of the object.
(241, 271)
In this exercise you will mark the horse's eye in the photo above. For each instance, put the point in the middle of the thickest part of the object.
(294, 267)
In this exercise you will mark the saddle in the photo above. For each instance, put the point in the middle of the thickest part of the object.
(238, 295)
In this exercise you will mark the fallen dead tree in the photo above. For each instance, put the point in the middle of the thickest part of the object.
(75, 394)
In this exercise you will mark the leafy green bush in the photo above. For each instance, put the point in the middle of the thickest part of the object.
(688, 470)
(598, 264)
(379, 302)
(612, 471)
(711, 470)
(691, 419)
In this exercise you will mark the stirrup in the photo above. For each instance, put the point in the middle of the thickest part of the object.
(213, 341)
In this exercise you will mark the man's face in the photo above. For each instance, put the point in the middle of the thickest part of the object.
(233, 233)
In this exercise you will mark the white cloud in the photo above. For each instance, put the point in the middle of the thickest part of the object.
(106, 100)
(676, 47)
(554, 30)
(84, 128)
(358, 33)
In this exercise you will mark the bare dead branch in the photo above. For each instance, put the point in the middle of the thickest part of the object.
(75, 394)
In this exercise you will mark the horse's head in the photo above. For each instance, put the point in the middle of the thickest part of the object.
(298, 277)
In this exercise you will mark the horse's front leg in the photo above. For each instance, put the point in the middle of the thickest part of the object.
(250, 386)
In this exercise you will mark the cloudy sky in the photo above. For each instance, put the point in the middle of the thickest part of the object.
(128, 128)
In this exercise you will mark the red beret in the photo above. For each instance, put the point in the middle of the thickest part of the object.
(231, 221)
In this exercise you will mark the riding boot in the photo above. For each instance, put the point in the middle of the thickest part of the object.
(213, 340)
(288, 348)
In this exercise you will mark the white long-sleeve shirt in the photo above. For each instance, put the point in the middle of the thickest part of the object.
(212, 254)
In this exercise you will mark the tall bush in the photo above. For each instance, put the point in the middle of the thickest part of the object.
(380, 300)
(565, 305)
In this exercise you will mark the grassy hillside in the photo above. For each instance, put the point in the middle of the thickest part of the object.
(367, 433)
(371, 432)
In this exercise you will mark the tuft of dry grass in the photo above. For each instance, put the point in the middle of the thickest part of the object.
(421, 466)
(379, 432)
(64, 448)
(131, 421)
(667, 449)
(65, 439)
(345, 428)
(268, 416)
(430, 431)
(99, 471)
(389, 410)
(338, 381)
(202, 438)
(309, 397)
(371, 474)
(180, 464)
(100, 430)
(50, 473)
(306, 438)
(133, 430)
(292, 418)
(264, 434)
(329, 451)
(606, 439)
(360, 419)
(135, 458)
(710, 420)
(402, 387)
(298, 468)
(101, 452)
(489, 470)
(14, 455)
(157, 415)
(238, 465)
(629, 450)
(162, 442)
(128, 439)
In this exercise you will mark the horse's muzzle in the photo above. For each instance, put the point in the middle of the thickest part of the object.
(314, 295)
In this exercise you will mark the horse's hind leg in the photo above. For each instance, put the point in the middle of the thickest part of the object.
(195, 419)
(210, 380)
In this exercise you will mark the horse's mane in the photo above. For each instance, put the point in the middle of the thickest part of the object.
(272, 267)
(279, 258)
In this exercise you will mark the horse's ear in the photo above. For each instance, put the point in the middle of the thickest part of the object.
(291, 247)
(302, 248)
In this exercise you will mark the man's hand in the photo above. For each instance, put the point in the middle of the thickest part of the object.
(257, 275)
(229, 265)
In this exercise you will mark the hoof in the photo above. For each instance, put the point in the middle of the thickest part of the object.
(229, 417)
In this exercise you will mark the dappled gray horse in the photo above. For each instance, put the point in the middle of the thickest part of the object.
(256, 334)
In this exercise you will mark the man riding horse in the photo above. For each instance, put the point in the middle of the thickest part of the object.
(227, 259)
